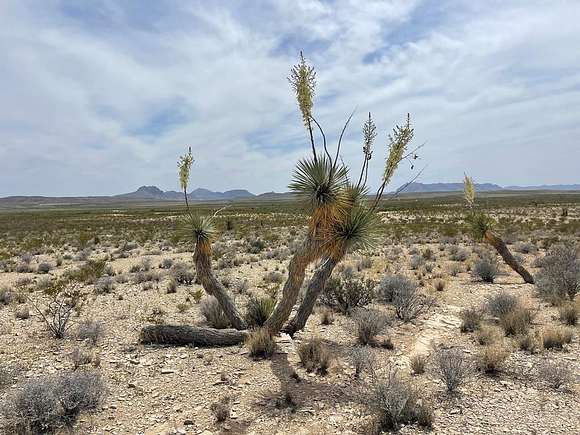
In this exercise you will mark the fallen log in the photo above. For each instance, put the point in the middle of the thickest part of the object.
(182, 335)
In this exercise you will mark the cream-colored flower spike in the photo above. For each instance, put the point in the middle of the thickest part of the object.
(469, 191)
(184, 166)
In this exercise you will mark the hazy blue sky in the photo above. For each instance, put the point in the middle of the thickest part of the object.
(100, 97)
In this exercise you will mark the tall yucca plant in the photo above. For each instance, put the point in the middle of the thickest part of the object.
(481, 228)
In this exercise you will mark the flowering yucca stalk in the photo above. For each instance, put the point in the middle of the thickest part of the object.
(303, 81)
(469, 191)
(184, 165)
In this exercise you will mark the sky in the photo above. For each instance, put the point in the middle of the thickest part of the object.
(101, 97)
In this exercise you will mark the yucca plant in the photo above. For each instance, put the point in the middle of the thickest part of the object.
(481, 229)
(341, 218)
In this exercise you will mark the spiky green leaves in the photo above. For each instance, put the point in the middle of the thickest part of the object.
(398, 142)
(469, 191)
(184, 165)
(479, 224)
(199, 229)
(318, 182)
(357, 229)
(303, 81)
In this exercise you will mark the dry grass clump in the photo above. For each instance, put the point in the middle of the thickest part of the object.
(492, 358)
(92, 330)
(470, 319)
(260, 343)
(559, 276)
(527, 342)
(569, 313)
(362, 359)
(517, 322)
(452, 367)
(222, 409)
(6, 295)
(502, 303)
(326, 316)
(213, 313)
(556, 337)
(418, 363)
(315, 356)
(369, 323)
(439, 285)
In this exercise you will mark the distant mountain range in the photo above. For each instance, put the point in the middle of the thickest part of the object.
(153, 193)
(483, 187)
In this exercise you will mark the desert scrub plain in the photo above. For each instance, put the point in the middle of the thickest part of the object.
(429, 331)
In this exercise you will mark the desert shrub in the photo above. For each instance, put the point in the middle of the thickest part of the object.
(42, 405)
(258, 310)
(80, 357)
(527, 342)
(556, 374)
(517, 321)
(486, 269)
(326, 316)
(22, 313)
(23, 268)
(429, 267)
(44, 267)
(222, 409)
(362, 359)
(92, 330)
(364, 263)
(459, 254)
(369, 323)
(171, 286)
(274, 277)
(255, 246)
(502, 303)
(452, 367)
(57, 315)
(346, 293)
(197, 295)
(556, 337)
(392, 284)
(43, 283)
(492, 358)
(89, 272)
(166, 263)
(487, 335)
(416, 262)
(213, 313)
(395, 402)
(418, 363)
(559, 275)
(6, 295)
(439, 285)
(525, 247)
(104, 285)
(181, 274)
(409, 302)
(260, 343)
(569, 313)
(454, 270)
(470, 319)
(315, 356)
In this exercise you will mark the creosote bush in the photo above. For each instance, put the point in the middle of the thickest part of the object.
(502, 303)
(470, 319)
(43, 405)
(369, 323)
(486, 269)
(452, 367)
(346, 293)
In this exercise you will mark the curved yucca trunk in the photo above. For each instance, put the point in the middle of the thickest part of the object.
(296, 273)
(491, 238)
(212, 286)
(315, 288)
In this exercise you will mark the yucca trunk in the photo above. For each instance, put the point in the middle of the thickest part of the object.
(202, 259)
(182, 335)
(296, 273)
(315, 288)
(507, 256)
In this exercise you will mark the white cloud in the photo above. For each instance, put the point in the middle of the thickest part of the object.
(102, 98)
